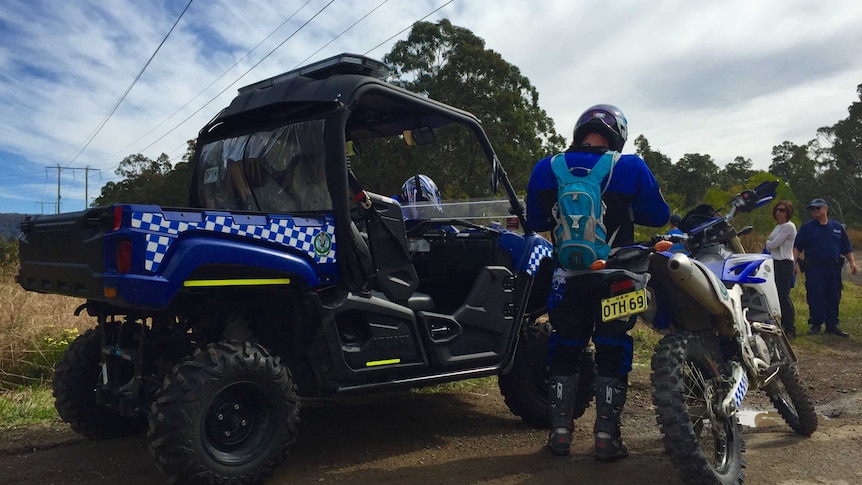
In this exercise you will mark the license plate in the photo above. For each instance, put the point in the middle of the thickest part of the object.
(619, 306)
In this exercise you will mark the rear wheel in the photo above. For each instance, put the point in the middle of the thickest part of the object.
(704, 447)
(525, 386)
(792, 402)
(78, 377)
(227, 415)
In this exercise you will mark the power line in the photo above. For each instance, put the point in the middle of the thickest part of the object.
(240, 77)
(123, 97)
(409, 26)
(119, 152)
(266, 56)
(270, 53)
(342, 33)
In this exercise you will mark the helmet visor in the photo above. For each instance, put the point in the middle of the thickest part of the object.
(599, 115)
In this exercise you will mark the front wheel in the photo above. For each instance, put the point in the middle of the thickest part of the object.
(525, 386)
(792, 402)
(704, 447)
(227, 415)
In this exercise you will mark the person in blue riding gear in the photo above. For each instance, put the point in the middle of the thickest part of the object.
(632, 196)
(823, 242)
(418, 191)
(677, 247)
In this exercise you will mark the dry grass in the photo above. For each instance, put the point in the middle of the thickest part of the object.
(34, 329)
(855, 236)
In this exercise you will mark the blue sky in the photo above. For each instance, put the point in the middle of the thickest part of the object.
(730, 78)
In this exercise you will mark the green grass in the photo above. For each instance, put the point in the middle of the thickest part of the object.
(467, 385)
(28, 405)
(645, 340)
(849, 313)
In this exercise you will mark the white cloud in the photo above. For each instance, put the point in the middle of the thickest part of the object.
(729, 79)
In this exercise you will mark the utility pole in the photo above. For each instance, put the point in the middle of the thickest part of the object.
(41, 205)
(86, 183)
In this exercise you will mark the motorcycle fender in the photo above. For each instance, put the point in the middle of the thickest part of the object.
(759, 280)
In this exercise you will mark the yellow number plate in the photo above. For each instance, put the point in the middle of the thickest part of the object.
(619, 306)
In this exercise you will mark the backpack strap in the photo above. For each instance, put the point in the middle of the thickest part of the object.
(604, 167)
(561, 169)
(613, 157)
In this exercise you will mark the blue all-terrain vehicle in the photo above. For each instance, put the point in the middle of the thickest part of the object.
(288, 277)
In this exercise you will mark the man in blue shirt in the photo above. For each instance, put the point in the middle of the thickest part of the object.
(632, 196)
(677, 247)
(823, 242)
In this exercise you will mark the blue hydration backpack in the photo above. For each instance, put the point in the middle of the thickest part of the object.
(580, 234)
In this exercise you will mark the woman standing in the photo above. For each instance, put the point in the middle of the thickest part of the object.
(780, 245)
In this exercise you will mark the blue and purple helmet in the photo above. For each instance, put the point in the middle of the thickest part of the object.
(605, 119)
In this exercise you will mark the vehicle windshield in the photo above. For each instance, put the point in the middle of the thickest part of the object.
(279, 170)
(492, 212)
(449, 156)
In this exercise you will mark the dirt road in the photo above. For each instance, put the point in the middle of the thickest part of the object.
(470, 437)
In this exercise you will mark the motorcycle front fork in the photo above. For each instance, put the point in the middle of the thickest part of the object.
(754, 371)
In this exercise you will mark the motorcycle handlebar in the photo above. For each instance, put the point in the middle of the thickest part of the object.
(674, 238)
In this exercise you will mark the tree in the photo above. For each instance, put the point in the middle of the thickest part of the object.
(147, 181)
(658, 163)
(692, 175)
(794, 164)
(736, 172)
(838, 151)
(452, 65)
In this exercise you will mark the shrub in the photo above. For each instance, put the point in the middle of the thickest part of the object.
(34, 331)
(855, 236)
(39, 361)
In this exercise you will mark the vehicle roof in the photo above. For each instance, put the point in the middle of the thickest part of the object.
(387, 108)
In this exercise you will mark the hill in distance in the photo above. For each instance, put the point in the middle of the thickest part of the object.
(10, 225)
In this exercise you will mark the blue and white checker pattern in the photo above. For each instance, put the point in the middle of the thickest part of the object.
(282, 231)
(541, 250)
(741, 389)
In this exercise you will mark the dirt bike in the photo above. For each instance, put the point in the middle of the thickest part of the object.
(718, 308)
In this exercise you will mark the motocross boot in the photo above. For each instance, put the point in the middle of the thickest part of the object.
(562, 395)
(610, 398)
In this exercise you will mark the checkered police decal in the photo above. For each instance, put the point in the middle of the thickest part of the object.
(541, 250)
(740, 391)
(282, 231)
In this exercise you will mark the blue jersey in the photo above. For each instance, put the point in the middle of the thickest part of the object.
(632, 195)
(822, 242)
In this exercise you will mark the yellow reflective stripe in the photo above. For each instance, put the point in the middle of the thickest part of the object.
(382, 362)
(238, 282)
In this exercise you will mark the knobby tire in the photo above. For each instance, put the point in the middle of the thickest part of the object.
(525, 386)
(680, 366)
(227, 415)
(792, 402)
(74, 387)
